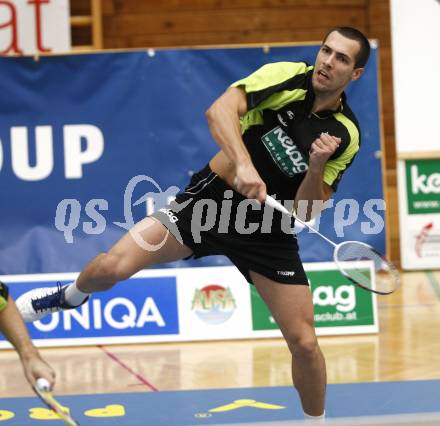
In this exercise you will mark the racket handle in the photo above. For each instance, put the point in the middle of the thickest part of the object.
(43, 385)
(271, 202)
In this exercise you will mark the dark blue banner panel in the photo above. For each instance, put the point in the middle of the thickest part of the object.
(90, 144)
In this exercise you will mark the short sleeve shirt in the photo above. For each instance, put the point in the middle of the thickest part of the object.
(279, 127)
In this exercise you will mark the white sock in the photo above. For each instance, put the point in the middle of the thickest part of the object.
(74, 296)
(315, 419)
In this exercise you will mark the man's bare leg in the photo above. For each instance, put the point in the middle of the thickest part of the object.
(292, 309)
(148, 243)
(154, 244)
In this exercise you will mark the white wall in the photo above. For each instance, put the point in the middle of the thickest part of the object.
(415, 29)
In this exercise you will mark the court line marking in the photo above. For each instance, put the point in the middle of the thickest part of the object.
(143, 380)
(434, 283)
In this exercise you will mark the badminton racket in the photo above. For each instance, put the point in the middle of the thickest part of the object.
(42, 389)
(351, 258)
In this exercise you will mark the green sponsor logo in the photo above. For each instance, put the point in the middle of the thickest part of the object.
(284, 152)
(423, 186)
(337, 302)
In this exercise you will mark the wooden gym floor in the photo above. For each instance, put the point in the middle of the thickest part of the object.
(407, 348)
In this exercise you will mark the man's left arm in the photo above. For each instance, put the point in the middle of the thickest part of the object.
(313, 191)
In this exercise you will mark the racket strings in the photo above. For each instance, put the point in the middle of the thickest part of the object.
(353, 252)
(386, 277)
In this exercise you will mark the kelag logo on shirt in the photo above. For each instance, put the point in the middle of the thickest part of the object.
(284, 152)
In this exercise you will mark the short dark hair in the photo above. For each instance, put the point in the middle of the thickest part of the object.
(354, 34)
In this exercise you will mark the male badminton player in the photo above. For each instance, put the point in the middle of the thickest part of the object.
(285, 130)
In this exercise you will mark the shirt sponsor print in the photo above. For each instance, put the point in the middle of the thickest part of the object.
(284, 152)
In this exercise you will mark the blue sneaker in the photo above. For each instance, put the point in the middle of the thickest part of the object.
(39, 302)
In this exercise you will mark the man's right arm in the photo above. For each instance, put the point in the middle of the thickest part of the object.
(224, 123)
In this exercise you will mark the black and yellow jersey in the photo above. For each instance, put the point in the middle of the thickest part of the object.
(4, 294)
(279, 128)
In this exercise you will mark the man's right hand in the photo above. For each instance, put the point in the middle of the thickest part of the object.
(249, 183)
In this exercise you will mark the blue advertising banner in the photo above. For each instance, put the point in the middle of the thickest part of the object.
(190, 304)
(144, 306)
(90, 144)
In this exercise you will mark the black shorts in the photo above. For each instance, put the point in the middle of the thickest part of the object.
(212, 219)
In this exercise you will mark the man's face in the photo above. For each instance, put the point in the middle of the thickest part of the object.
(334, 65)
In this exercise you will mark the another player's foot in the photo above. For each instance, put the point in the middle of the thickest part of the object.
(39, 302)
